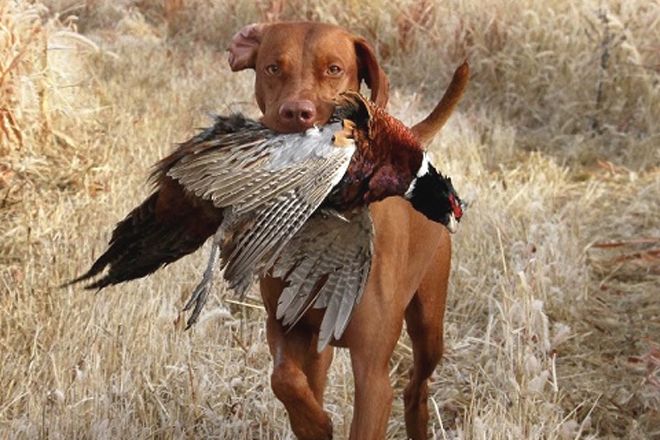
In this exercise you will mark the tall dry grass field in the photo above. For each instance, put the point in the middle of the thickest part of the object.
(553, 319)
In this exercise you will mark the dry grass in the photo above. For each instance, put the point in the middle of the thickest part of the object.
(552, 324)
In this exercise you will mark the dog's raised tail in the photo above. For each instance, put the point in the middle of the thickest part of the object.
(431, 125)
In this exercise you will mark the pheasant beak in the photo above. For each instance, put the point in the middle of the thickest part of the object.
(344, 137)
(452, 226)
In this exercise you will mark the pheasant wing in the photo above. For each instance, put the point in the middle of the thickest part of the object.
(253, 241)
(250, 174)
(326, 265)
(269, 187)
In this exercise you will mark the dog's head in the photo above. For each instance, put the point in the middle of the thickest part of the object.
(301, 67)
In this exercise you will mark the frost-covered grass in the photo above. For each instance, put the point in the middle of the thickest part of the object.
(552, 324)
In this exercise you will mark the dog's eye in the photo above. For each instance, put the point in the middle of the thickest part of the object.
(334, 70)
(272, 69)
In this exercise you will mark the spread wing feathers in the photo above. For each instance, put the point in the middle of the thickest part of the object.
(326, 265)
(248, 175)
(268, 188)
(252, 242)
(226, 131)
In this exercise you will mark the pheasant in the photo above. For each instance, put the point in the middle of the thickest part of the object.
(293, 204)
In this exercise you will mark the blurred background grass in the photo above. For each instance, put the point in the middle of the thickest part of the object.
(552, 324)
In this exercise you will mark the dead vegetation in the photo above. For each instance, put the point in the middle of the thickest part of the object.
(552, 328)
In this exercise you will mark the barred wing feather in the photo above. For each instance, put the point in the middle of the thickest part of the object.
(326, 265)
(269, 188)
(248, 175)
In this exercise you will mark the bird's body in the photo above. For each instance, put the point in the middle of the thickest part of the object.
(295, 204)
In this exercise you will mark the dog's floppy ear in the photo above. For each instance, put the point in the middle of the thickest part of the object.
(371, 72)
(244, 46)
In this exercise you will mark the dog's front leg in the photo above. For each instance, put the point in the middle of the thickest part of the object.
(373, 400)
(299, 372)
(372, 336)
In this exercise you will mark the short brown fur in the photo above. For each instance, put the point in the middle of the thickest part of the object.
(411, 263)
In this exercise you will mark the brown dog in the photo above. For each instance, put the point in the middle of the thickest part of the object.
(300, 68)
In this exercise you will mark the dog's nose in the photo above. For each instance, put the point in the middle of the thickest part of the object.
(299, 113)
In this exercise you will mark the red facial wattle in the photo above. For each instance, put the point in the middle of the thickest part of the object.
(455, 207)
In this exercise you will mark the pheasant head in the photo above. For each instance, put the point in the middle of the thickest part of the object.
(393, 161)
